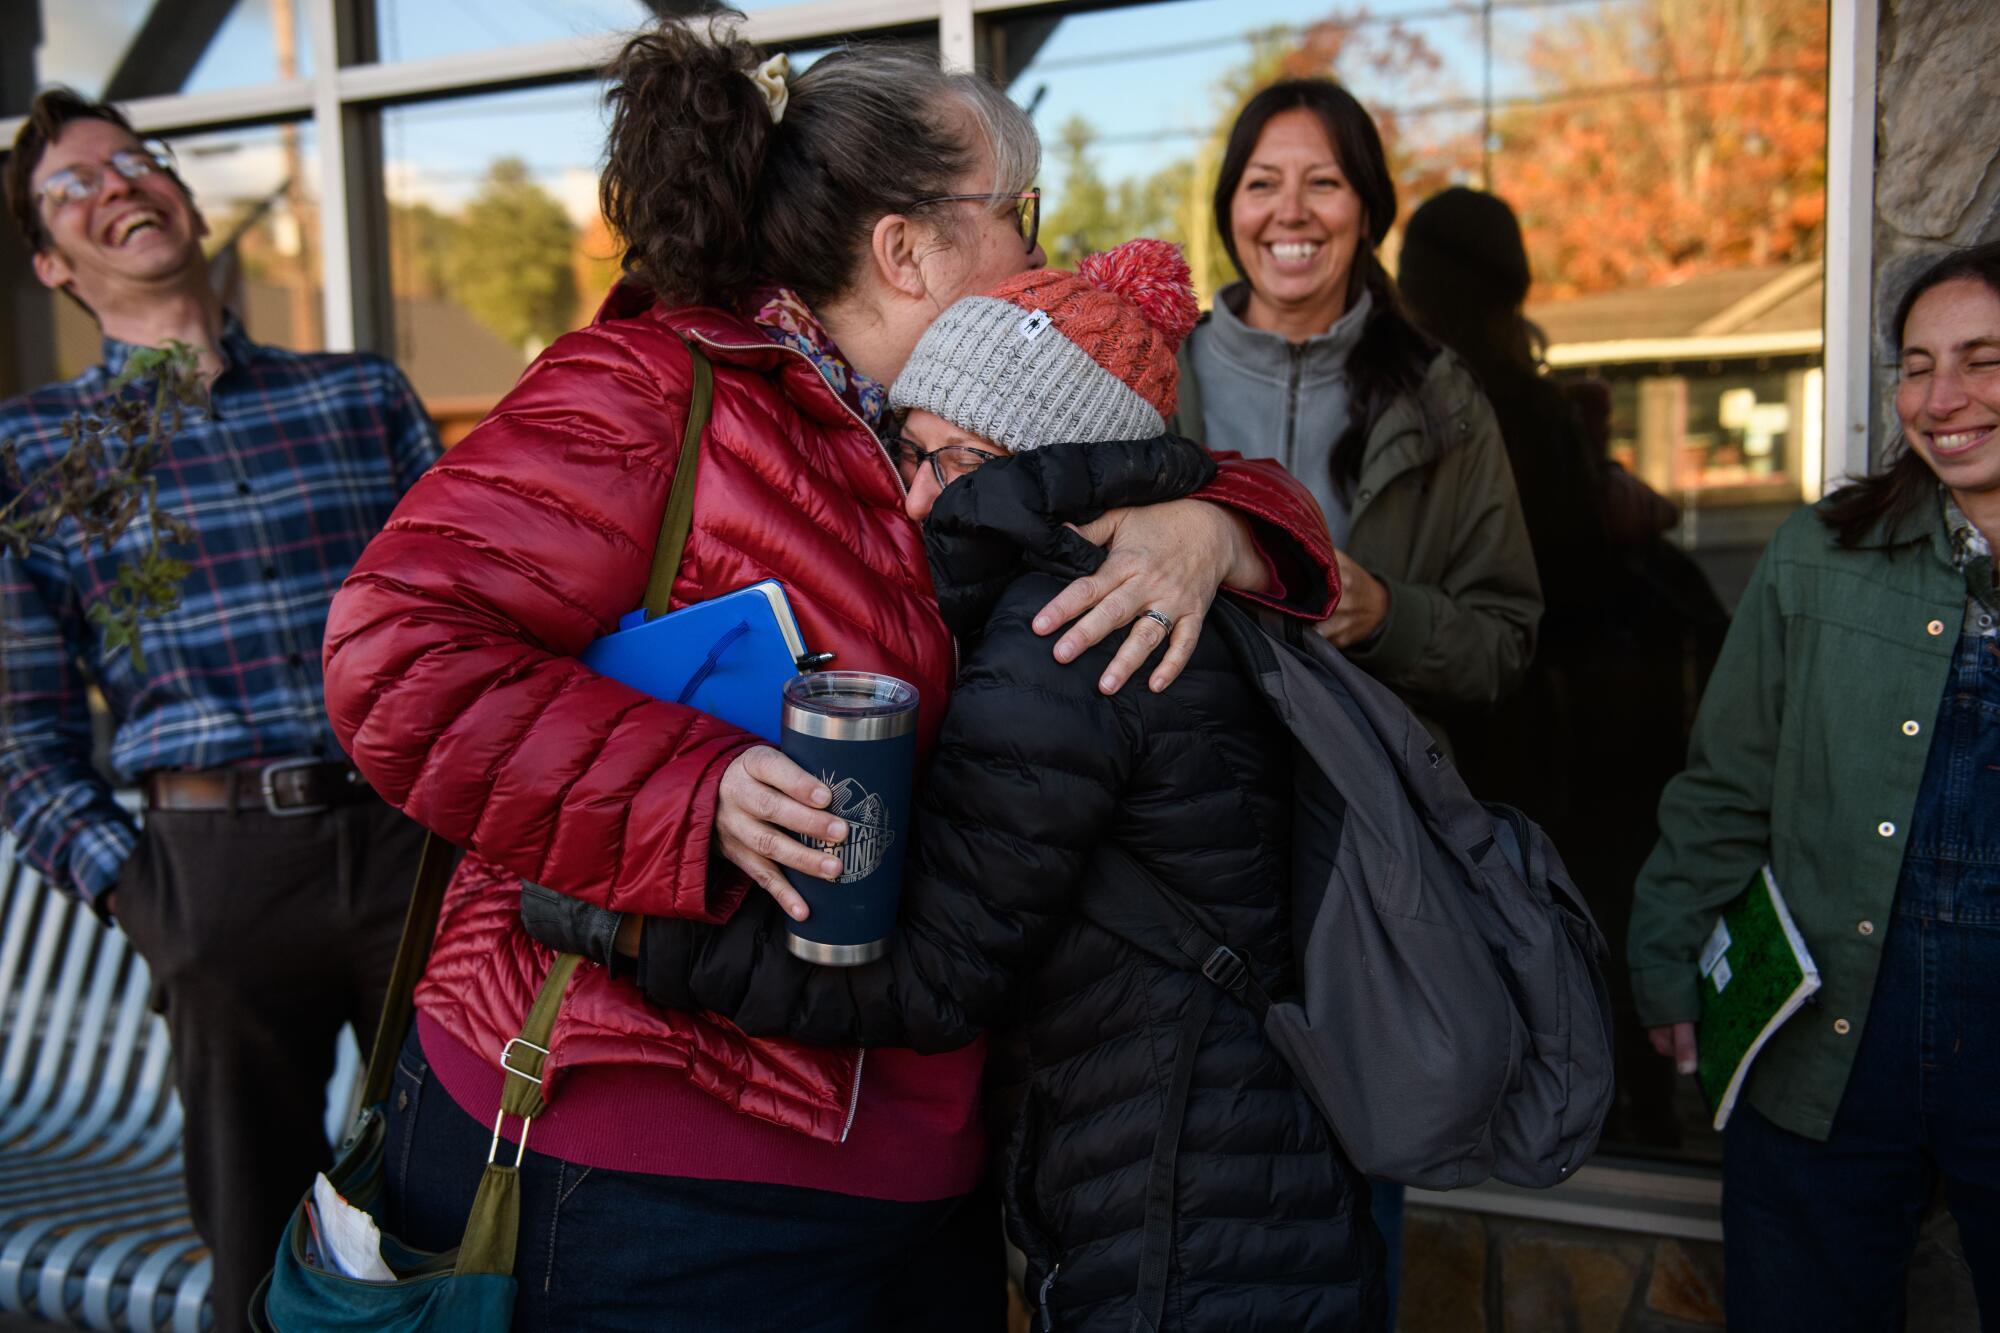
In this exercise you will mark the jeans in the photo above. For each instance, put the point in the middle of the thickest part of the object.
(1817, 1236)
(612, 1250)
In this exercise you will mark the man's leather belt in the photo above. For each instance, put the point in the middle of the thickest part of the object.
(287, 787)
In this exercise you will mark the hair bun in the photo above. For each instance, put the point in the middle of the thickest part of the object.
(1154, 277)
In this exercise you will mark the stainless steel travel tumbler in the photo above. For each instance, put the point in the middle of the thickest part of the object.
(857, 733)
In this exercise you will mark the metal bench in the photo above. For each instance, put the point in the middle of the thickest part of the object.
(94, 1229)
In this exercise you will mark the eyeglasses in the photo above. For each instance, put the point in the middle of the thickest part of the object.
(947, 464)
(73, 185)
(1027, 207)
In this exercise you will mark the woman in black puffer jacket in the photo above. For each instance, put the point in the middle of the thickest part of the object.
(1045, 800)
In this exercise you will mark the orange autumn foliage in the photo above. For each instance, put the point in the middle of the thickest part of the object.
(1716, 160)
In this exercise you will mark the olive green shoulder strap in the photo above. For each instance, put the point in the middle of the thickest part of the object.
(678, 519)
(435, 865)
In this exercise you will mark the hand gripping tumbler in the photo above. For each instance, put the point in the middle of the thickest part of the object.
(856, 732)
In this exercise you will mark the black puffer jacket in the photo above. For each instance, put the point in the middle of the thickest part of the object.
(1041, 791)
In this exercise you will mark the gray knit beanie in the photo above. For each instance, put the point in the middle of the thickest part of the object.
(1049, 357)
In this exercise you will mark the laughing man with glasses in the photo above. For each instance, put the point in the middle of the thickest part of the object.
(266, 885)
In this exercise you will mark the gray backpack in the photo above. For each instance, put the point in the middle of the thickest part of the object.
(1452, 1021)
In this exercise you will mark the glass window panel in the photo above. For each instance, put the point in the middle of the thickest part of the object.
(1681, 209)
(493, 253)
(88, 43)
(1623, 171)
(1134, 104)
(416, 29)
(259, 190)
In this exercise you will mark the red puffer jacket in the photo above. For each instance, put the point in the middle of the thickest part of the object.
(452, 679)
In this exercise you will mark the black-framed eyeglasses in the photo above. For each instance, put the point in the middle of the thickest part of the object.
(947, 464)
(1027, 209)
(73, 185)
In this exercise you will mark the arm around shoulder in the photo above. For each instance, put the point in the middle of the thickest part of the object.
(1029, 769)
(1290, 566)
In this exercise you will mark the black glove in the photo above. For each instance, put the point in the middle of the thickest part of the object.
(571, 925)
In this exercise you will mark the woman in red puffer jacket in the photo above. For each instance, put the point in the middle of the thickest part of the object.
(803, 232)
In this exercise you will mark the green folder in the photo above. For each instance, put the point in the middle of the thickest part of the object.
(1755, 973)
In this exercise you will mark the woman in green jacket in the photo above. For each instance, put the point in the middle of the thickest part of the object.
(1311, 360)
(1850, 738)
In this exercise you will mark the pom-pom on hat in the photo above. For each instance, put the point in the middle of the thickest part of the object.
(1049, 357)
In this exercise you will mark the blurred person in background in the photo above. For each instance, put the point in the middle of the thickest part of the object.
(1311, 360)
(803, 232)
(267, 884)
(1630, 627)
(1851, 739)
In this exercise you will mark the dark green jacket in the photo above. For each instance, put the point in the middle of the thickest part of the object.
(1435, 517)
(1807, 753)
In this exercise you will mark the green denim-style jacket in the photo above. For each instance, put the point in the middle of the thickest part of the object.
(1807, 752)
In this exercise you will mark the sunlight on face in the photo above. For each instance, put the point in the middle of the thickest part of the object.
(1948, 386)
(130, 232)
(978, 247)
(1296, 223)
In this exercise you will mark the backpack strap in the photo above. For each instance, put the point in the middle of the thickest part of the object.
(434, 864)
(1164, 925)
(1149, 1302)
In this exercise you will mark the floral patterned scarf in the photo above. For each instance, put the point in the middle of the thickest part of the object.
(786, 319)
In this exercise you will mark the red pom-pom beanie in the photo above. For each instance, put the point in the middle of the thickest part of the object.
(1049, 357)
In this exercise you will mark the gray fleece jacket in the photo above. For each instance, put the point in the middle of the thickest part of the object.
(1268, 397)
(1434, 514)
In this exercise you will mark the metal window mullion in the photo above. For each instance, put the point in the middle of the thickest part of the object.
(186, 113)
(336, 263)
(1850, 240)
(956, 38)
(584, 56)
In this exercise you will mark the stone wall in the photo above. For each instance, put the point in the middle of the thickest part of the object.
(1468, 1273)
(1937, 153)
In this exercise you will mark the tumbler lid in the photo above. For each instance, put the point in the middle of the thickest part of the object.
(850, 705)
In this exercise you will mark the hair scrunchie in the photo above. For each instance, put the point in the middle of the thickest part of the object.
(770, 79)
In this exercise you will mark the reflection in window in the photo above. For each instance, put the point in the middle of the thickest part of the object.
(495, 243)
(496, 246)
(126, 49)
(257, 189)
(1655, 204)
(1674, 221)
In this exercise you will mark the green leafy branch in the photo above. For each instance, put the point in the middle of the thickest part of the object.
(104, 483)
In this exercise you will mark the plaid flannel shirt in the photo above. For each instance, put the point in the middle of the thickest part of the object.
(1973, 555)
(295, 464)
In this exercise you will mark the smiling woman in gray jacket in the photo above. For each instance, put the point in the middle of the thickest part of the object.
(1311, 361)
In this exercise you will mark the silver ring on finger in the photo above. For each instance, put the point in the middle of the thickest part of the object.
(1160, 618)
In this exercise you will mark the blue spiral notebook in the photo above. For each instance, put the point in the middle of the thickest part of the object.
(729, 656)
